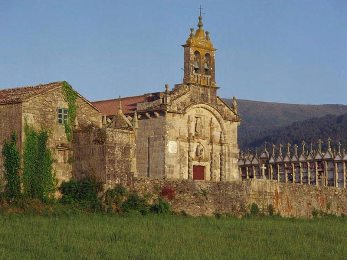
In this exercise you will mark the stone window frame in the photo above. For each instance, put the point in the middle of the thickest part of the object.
(62, 115)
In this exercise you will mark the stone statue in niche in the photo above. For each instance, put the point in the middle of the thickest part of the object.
(199, 151)
(198, 126)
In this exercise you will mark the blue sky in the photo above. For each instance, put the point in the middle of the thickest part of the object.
(292, 51)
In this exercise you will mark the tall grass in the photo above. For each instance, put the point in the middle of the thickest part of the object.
(90, 236)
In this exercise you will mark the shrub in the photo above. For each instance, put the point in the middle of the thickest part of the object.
(114, 197)
(161, 207)
(12, 164)
(168, 192)
(254, 211)
(82, 192)
(135, 203)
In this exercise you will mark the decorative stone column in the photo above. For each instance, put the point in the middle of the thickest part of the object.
(344, 175)
(222, 161)
(336, 175)
(308, 173)
(278, 172)
(300, 171)
(293, 173)
(316, 172)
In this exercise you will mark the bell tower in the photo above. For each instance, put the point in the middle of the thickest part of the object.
(199, 58)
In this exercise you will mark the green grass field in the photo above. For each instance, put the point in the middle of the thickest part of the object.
(90, 236)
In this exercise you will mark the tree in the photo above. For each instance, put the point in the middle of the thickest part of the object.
(12, 164)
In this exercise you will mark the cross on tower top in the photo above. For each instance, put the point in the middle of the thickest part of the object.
(200, 8)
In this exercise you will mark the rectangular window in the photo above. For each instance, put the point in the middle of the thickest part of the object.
(62, 115)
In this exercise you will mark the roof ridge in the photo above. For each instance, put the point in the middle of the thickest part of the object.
(31, 86)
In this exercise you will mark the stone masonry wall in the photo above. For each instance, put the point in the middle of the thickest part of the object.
(41, 113)
(107, 154)
(10, 121)
(207, 198)
(150, 147)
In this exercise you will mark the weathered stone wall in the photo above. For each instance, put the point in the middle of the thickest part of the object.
(41, 112)
(107, 154)
(10, 121)
(150, 147)
(207, 198)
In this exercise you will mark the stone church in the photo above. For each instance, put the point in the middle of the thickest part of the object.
(184, 133)
(187, 132)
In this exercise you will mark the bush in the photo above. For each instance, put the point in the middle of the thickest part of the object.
(114, 197)
(161, 207)
(82, 192)
(254, 211)
(11, 164)
(168, 192)
(135, 203)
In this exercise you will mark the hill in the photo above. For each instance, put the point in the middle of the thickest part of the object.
(333, 126)
(259, 119)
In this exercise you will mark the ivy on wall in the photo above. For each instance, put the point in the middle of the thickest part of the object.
(12, 164)
(38, 179)
(70, 96)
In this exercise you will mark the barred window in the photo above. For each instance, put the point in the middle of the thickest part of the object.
(62, 115)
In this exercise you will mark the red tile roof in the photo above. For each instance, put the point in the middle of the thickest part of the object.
(129, 104)
(18, 95)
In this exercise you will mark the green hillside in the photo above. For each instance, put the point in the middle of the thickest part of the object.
(260, 119)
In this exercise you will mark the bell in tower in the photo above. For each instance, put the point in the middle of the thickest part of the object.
(199, 58)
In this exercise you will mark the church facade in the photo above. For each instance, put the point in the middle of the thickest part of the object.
(187, 132)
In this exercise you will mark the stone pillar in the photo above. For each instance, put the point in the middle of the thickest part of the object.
(247, 173)
(271, 172)
(336, 175)
(285, 174)
(254, 175)
(293, 173)
(344, 175)
(325, 174)
(222, 173)
(300, 170)
(316, 172)
(308, 173)
(278, 172)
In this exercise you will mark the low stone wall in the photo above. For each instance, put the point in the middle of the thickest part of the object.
(207, 198)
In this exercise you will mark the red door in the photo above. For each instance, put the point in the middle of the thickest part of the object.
(198, 172)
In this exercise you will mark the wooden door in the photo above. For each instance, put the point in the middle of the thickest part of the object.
(198, 172)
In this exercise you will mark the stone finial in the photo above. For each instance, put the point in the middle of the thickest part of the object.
(303, 144)
(265, 147)
(207, 35)
(329, 144)
(235, 105)
(288, 149)
(167, 89)
(296, 150)
(135, 121)
(280, 150)
(339, 148)
(320, 142)
(273, 149)
(311, 148)
(119, 104)
(191, 32)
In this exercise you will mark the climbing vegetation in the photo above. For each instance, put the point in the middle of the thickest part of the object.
(12, 165)
(70, 97)
(38, 179)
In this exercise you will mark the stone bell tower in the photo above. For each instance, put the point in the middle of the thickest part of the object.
(199, 58)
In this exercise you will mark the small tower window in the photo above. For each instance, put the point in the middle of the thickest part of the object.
(62, 115)
(207, 64)
(196, 63)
